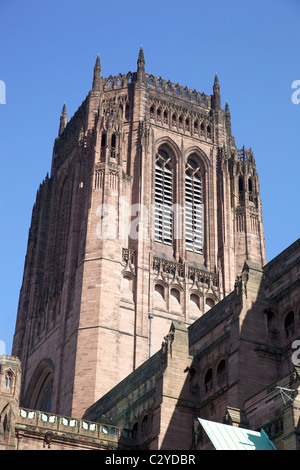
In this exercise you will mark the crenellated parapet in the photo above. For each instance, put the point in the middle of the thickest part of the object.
(158, 85)
(177, 91)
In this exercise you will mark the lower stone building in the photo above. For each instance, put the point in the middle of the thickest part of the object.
(238, 364)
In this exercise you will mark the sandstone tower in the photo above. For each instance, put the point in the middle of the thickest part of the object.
(148, 215)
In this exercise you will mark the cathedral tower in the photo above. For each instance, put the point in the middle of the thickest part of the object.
(147, 217)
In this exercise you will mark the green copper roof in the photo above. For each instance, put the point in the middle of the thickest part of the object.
(225, 437)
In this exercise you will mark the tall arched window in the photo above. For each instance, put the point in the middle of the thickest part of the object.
(40, 389)
(163, 199)
(44, 401)
(193, 207)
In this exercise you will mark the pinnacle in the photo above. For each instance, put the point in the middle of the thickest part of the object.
(63, 119)
(141, 62)
(97, 65)
(141, 57)
(216, 82)
(216, 90)
(97, 75)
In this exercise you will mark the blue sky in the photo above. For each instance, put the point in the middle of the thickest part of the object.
(47, 54)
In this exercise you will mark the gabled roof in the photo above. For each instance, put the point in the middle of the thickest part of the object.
(225, 437)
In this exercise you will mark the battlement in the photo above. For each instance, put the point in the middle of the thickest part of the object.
(118, 81)
(7, 357)
(178, 91)
(160, 85)
(7, 361)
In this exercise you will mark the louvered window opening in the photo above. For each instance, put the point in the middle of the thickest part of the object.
(163, 203)
(193, 213)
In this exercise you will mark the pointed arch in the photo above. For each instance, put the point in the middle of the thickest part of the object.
(200, 156)
(210, 302)
(195, 303)
(175, 298)
(9, 378)
(40, 389)
(160, 295)
(127, 286)
(165, 177)
(197, 167)
(163, 198)
(151, 80)
(166, 143)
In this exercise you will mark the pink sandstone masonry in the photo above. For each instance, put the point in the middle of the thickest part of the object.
(92, 308)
